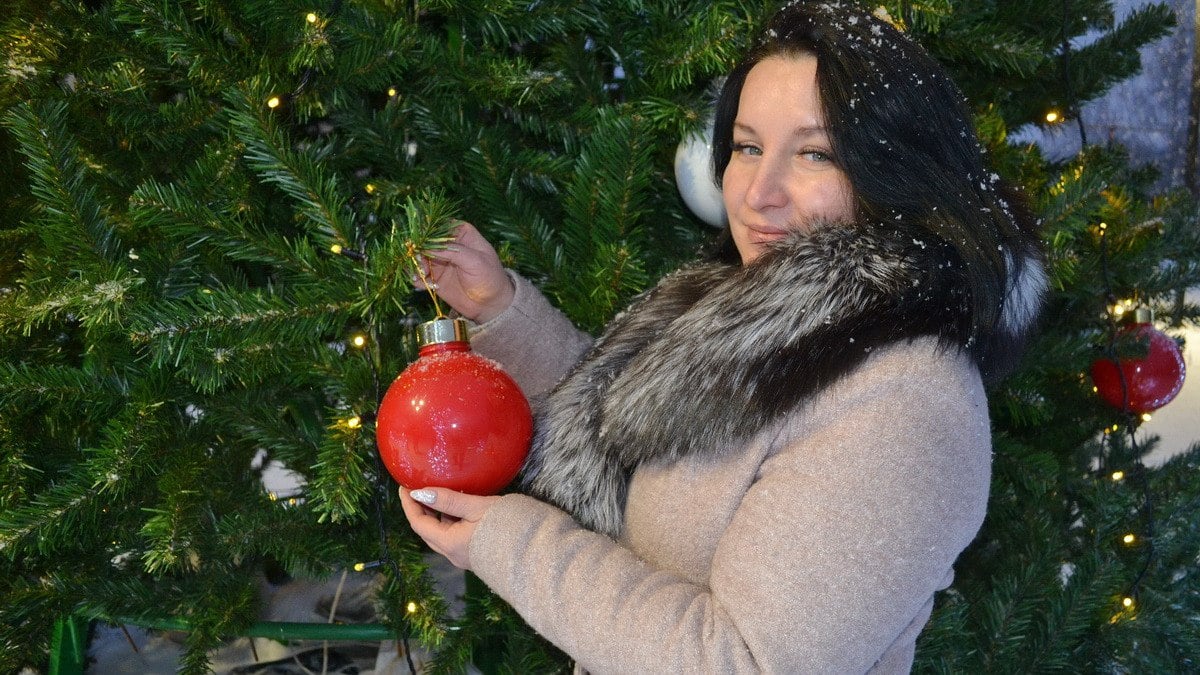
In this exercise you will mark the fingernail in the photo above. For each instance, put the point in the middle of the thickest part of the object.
(424, 496)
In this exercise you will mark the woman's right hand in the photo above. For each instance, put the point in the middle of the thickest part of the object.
(468, 275)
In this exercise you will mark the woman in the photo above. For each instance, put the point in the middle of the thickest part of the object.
(768, 462)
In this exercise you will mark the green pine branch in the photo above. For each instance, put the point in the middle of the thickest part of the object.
(343, 474)
(72, 220)
(605, 206)
(73, 506)
(1114, 56)
(321, 205)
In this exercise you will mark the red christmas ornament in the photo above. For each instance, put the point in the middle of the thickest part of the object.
(1151, 381)
(453, 418)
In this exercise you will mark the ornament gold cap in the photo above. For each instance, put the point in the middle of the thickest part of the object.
(440, 331)
(1143, 315)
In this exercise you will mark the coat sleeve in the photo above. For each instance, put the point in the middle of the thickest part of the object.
(835, 549)
(534, 342)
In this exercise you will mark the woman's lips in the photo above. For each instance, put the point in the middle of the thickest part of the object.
(760, 234)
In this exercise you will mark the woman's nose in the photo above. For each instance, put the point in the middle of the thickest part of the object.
(768, 189)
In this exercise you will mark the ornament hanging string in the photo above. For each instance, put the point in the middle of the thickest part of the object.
(410, 250)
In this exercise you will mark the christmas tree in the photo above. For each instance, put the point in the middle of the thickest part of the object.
(210, 211)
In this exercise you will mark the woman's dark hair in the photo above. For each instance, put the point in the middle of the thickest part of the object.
(901, 131)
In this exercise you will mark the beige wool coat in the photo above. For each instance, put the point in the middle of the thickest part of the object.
(815, 548)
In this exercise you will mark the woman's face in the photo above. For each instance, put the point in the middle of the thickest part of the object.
(781, 176)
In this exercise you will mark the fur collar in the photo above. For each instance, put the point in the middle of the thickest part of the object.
(715, 352)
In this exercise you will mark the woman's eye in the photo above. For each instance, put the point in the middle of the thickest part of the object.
(816, 156)
(746, 149)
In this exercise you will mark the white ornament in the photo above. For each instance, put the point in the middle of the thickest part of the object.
(694, 177)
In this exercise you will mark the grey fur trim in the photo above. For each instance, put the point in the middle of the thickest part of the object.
(715, 352)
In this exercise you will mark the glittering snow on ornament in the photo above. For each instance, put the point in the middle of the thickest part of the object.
(694, 177)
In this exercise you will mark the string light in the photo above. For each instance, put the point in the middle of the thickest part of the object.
(272, 496)
(1118, 476)
(1053, 116)
(370, 188)
(1145, 417)
(412, 607)
(1126, 611)
(1129, 539)
(1121, 307)
(358, 340)
(392, 92)
(338, 249)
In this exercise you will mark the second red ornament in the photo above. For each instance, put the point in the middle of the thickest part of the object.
(1143, 383)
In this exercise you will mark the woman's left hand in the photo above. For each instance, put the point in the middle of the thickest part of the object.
(446, 520)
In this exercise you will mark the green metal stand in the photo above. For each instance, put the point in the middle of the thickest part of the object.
(68, 651)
